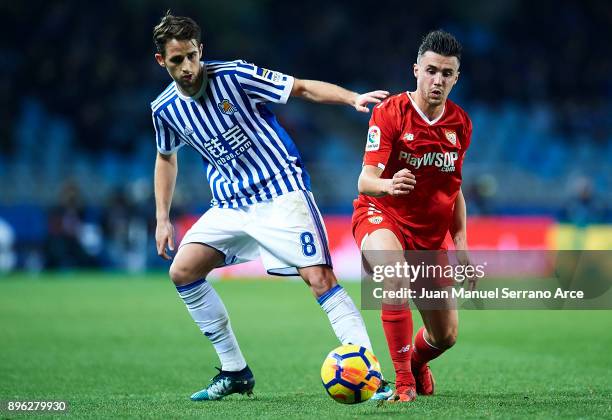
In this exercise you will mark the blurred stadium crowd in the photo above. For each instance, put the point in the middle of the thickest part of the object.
(77, 144)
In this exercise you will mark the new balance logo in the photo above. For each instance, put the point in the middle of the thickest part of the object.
(188, 131)
(404, 349)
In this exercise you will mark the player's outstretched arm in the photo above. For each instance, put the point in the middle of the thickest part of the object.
(166, 168)
(327, 93)
(370, 182)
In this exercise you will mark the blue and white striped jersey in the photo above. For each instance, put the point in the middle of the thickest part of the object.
(248, 157)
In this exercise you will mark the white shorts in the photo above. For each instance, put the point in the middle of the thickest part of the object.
(287, 232)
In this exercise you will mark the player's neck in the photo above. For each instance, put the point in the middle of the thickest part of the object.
(432, 112)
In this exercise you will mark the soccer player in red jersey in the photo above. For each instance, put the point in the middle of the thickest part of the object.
(410, 197)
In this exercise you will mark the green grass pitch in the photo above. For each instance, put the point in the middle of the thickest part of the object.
(124, 346)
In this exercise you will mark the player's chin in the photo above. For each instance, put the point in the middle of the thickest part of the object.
(436, 99)
(185, 84)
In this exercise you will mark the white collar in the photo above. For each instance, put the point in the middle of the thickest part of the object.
(418, 110)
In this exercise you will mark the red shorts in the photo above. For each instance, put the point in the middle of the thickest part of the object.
(365, 222)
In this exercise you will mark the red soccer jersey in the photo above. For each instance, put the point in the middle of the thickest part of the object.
(401, 136)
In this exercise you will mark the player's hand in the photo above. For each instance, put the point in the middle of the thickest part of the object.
(463, 258)
(374, 97)
(164, 239)
(402, 183)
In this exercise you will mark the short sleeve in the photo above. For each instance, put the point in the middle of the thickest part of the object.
(264, 85)
(167, 140)
(381, 134)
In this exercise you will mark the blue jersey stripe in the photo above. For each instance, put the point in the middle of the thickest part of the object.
(273, 153)
(164, 95)
(199, 142)
(243, 110)
(261, 91)
(213, 114)
(287, 142)
(217, 94)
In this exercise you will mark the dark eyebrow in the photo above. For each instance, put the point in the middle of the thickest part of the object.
(432, 67)
(181, 55)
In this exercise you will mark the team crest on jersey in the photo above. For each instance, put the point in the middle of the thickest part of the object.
(188, 131)
(375, 220)
(227, 107)
(373, 142)
(451, 136)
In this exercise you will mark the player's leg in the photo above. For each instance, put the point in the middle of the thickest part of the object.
(291, 235)
(188, 271)
(343, 315)
(438, 334)
(199, 253)
(396, 315)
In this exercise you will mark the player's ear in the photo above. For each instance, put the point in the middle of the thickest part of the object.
(415, 70)
(201, 49)
(160, 60)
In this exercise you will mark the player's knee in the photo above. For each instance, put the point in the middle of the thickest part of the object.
(447, 339)
(180, 275)
(321, 280)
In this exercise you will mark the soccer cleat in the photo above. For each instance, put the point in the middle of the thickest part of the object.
(404, 393)
(424, 381)
(383, 393)
(227, 383)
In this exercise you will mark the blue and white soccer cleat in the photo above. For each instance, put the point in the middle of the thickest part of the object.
(383, 393)
(227, 383)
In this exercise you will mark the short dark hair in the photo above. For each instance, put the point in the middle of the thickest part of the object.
(180, 28)
(441, 42)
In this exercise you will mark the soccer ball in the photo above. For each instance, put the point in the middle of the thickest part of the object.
(351, 374)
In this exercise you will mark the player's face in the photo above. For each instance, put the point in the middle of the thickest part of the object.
(182, 60)
(436, 75)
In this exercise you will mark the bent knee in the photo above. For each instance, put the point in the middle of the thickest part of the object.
(320, 280)
(181, 275)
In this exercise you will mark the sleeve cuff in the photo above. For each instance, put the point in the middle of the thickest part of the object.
(287, 92)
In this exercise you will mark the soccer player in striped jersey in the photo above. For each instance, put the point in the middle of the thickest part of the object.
(262, 206)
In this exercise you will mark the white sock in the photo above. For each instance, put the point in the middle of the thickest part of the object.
(344, 317)
(207, 310)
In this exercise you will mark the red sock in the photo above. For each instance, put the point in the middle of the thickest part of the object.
(423, 351)
(398, 331)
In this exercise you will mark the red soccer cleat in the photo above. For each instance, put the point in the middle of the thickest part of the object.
(405, 388)
(424, 380)
(404, 394)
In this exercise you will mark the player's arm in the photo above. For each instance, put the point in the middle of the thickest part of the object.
(166, 168)
(458, 228)
(458, 231)
(328, 93)
(370, 182)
